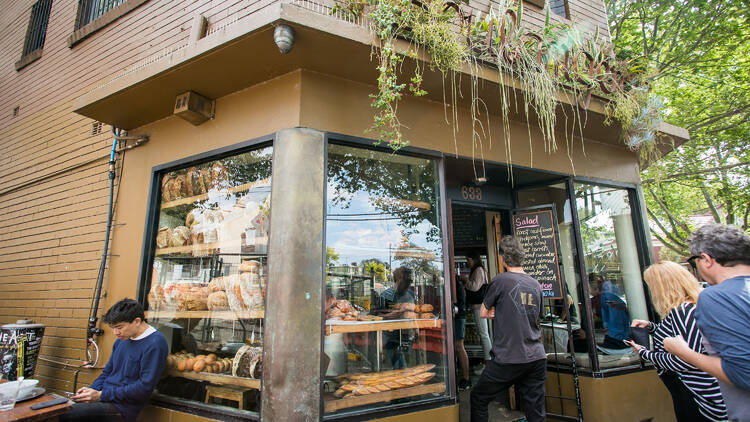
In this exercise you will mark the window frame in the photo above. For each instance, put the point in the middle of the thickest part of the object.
(35, 35)
(82, 32)
(450, 396)
(644, 260)
(147, 261)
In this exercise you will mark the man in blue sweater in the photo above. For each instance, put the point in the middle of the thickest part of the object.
(125, 385)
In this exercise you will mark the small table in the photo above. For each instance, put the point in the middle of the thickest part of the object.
(23, 412)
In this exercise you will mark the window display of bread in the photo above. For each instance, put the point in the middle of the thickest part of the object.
(251, 266)
(165, 197)
(248, 362)
(194, 299)
(194, 180)
(163, 237)
(183, 361)
(250, 291)
(370, 383)
(234, 293)
(156, 297)
(195, 216)
(179, 236)
(218, 301)
(404, 306)
(216, 285)
(423, 308)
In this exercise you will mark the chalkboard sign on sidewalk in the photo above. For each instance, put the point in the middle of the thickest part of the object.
(536, 229)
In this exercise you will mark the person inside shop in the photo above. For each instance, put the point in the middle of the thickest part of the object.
(459, 331)
(615, 317)
(395, 303)
(721, 255)
(595, 285)
(514, 299)
(138, 359)
(473, 283)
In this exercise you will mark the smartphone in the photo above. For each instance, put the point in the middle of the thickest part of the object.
(69, 394)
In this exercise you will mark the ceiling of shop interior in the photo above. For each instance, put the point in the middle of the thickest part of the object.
(461, 172)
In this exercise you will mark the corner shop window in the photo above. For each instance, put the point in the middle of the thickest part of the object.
(614, 273)
(385, 322)
(208, 283)
(555, 333)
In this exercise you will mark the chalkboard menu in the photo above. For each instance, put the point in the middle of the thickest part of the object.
(468, 227)
(537, 231)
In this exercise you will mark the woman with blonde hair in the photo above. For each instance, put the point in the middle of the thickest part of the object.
(674, 292)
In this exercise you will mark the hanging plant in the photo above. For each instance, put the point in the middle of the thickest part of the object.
(549, 62)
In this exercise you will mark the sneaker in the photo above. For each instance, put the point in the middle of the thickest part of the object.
(479, 369)
(464, 385)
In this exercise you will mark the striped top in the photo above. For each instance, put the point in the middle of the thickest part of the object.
(681, 322)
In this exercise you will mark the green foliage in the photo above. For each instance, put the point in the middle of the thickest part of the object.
(331, 257)
(696, 56)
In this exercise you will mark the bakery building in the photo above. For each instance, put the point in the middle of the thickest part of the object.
(270, 238)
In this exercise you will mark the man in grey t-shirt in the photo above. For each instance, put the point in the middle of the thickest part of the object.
(514, 300)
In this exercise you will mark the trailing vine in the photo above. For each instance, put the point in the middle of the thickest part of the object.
(548, 63)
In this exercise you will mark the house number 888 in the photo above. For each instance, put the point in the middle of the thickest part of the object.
(471, 193)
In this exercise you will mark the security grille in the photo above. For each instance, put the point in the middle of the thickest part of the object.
(91, 10)
(37, 30)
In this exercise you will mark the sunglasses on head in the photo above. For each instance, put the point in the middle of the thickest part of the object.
(692, 259)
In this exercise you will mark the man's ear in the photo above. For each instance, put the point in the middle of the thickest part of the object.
(137, 320)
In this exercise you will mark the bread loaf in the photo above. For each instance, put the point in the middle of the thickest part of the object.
(180, 236)
(251, 266)
(162, 237)
(216, 285)
(218, 301)
(248, 362)
(166, 195)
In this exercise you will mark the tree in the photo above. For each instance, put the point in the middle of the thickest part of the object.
(698, 54)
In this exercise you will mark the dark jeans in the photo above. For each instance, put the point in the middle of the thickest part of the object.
(92, 412)
(685, 407)
(529, 381)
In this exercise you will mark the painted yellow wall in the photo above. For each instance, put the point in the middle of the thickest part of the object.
(257, 111)
(631, 397)
(342, 106)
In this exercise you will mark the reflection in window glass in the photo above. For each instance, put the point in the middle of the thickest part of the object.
(613, 269)
(554, 325)
(208, 281)
(385, 323)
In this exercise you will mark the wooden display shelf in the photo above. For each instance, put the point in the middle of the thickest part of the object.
(333, 327)
(338, 404)
(205, 314)
(203, 248)
(218, 379)
(204, 196)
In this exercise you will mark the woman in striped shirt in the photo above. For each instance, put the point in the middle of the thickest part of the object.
(695, 394)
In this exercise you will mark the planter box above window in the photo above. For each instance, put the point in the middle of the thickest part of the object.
(539, 3)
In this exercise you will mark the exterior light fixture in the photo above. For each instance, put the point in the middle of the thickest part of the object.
(283, 36)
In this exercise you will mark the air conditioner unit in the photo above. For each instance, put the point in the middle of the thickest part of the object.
(194, 107)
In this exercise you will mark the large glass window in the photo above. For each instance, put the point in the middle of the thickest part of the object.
(613, 270)
(208, 283)
(385, 320)
(555, 333)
